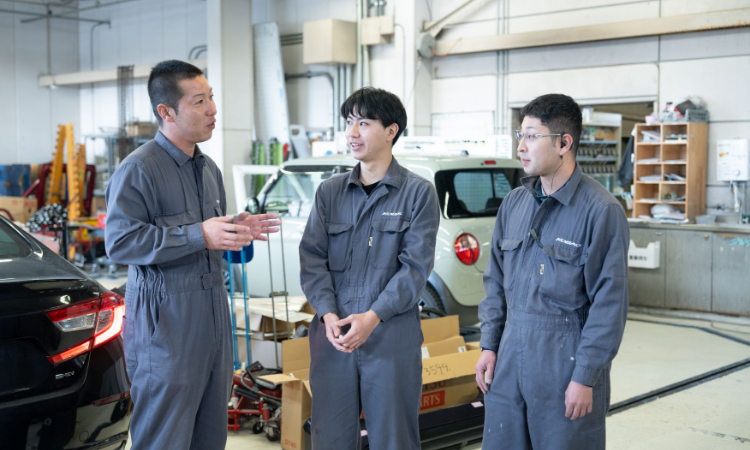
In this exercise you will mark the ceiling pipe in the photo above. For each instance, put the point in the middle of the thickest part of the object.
(64, 15)
(47, 16)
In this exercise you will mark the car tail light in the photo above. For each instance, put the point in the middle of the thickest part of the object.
(490, 162)
(467, 249)
(103, 314)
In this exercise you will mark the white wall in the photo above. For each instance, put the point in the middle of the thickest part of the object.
(712, 65)
(141, 32)
(448, 90)
(310, 101)
(30, 114)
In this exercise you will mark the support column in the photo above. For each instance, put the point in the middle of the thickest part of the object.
(230, 73)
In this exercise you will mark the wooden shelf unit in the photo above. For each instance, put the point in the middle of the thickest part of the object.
(684, 157)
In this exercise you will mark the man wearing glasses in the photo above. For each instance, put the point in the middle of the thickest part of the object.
(556, 294)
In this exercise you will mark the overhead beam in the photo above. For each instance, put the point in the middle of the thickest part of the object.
(437, 26)
(100, 76)
(618, 30)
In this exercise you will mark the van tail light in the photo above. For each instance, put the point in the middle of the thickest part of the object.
(104, 315)
(467, 249)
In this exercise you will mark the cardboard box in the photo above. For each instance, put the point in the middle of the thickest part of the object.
(296, 396)
(261, 315)
(21, 208)
(329, 41)
(447, 376)
(141, 129)
(98, 203)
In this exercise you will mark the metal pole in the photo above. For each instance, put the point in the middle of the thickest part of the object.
(244, 307)
(286, 292)
(273, 305)
(231, 307)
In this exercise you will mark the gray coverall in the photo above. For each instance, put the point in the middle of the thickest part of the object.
(555, 308)
(177, 330)
(361, 253)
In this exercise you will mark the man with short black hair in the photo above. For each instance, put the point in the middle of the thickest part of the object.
(366, 253)
(165, 219)
(556, 294)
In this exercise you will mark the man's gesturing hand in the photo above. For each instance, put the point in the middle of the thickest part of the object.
(361, 328)
(486, 364)
(260, 224)
(578, 400)
(333, 332)
(220, 234)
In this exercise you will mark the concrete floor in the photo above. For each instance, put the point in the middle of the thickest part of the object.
(711, 415)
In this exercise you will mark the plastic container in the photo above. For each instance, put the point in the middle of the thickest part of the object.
(14, 179)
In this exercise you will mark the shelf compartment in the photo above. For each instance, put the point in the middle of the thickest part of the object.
(668, 129)
(639, 135)
(675, 192)
(676, 151)
(647, 192)
(678, 169)
(646, 152)
(642, 209)
(643, 170)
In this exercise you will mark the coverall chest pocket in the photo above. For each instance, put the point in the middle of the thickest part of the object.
(385, 242)
(562, 273)
(339, 246)
(511, 251)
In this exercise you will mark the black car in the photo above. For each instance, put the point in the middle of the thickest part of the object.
(63, 383)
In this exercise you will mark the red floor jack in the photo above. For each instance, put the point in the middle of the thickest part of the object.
(257, 401)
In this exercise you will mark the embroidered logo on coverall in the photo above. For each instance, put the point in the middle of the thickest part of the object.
(392, 214)
(567, 242)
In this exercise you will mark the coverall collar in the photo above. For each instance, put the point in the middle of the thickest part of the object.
(178, 155)
(394, 176)
(563, 195)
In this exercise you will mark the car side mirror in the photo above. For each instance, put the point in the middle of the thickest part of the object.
(252, 206)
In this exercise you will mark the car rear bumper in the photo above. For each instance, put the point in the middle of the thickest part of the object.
(92, 413)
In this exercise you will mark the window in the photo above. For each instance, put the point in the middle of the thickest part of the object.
(12, 245)
(293, 191)
(474, 192)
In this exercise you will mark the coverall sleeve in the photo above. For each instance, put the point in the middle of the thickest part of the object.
(493, 309)
(606, 280)
(130, 235)
(313, 259)
(417, 257)
(222, 193)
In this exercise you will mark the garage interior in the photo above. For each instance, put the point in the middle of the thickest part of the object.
(666, 130)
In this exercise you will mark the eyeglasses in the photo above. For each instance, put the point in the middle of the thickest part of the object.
(532, 137)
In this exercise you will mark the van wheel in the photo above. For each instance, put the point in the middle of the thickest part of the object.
(430, 303)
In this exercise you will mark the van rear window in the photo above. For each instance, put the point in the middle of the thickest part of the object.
(474, 192)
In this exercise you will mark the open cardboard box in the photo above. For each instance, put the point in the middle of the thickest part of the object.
(261, 315)
(448, 376)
